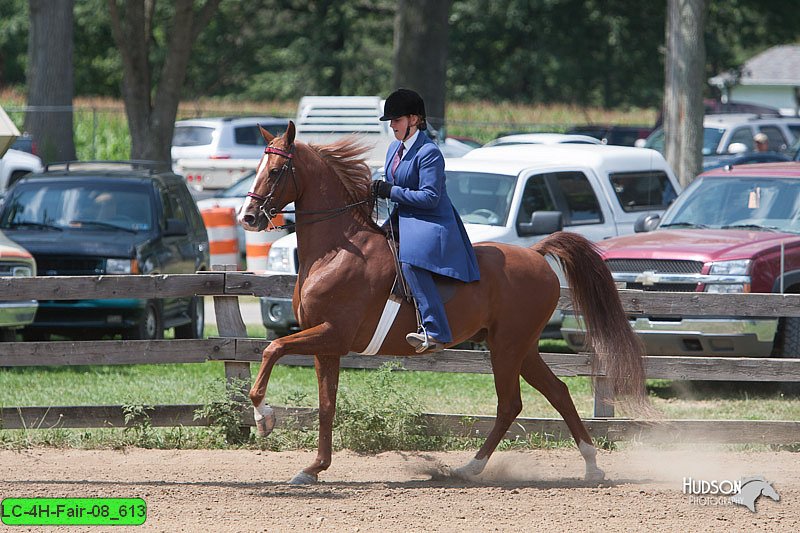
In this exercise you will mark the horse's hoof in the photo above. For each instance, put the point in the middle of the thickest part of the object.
(265, 419)
(470, 470)
(594, 474)
(303, 478)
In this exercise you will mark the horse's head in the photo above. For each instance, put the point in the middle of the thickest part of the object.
(274, 185)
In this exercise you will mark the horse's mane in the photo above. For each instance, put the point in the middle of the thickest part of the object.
(346, 159)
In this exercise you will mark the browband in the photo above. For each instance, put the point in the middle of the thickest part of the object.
(273, 150)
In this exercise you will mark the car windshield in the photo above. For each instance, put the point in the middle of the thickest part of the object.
(78, 206)
(192, 135)
(711, 139)
(481, 198)
(768, 204)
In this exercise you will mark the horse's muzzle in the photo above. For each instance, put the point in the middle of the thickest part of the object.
(253, 220)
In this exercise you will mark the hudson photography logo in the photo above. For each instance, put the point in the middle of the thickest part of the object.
(744, 492)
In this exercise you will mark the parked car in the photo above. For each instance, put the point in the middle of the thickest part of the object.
(744, 158)
(597, 191)
(542, 138)
(455, 147)
(720, 132)
(25, 143)
(613, 133)
(733, 230)
(15, 164)
(793, 151)
(105, 219)
(15, 261)
(223, 137)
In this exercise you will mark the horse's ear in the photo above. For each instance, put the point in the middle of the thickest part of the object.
(267, 135)
(290, 132)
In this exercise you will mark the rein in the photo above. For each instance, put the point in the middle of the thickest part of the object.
(272, 213)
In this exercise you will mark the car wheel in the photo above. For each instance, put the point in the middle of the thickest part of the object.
(196, 328)
(150, 326)
(789, 335)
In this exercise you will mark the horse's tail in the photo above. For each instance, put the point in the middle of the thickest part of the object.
(608, 332)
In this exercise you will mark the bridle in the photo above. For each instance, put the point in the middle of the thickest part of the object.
(288, 166)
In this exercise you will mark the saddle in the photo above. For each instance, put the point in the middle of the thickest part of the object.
(444, 285)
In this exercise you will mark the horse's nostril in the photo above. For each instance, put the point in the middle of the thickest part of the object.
(249, 219)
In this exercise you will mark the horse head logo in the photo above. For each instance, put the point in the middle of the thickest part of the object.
(752, 489)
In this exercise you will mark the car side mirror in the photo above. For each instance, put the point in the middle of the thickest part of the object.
(542, 223)
(176, 228)
(646, 223)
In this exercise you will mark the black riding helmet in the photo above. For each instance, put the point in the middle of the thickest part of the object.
(404, 102)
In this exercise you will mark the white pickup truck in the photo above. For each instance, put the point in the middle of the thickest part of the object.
(599, 191)
(13, 163)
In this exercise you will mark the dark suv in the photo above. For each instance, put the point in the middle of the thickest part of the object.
(104, 218)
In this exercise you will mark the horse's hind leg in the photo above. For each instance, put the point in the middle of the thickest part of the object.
(538, 375)
(505, 367)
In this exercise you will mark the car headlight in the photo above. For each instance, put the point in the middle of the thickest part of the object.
(726, 288)
(21, 271)
(121, 266)
(280, 260)
(730, 268)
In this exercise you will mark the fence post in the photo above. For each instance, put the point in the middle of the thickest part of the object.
(230, 324)
(603, 398)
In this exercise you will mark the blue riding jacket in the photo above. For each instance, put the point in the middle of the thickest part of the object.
(432, 235)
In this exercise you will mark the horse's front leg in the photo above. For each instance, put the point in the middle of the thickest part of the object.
(327, 368)
(315, 340)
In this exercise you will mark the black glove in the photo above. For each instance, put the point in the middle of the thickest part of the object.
(381, 189)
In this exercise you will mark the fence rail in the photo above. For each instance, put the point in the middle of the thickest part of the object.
(237, 352)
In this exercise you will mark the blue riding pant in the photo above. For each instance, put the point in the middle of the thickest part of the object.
(423, 287)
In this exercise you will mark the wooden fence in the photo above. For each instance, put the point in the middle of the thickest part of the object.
(237, 351)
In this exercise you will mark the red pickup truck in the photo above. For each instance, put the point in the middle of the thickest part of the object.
(734, 229)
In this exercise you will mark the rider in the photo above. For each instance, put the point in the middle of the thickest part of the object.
(432, 237)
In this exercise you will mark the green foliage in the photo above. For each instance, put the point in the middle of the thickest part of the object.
(101, 135)
(225, 410)
(587, 52)
(13, 42)
(379, 415)
(137, 420)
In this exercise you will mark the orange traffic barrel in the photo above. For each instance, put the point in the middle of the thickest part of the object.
(258, 244)
(221, 227)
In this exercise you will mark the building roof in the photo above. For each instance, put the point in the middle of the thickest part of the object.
(779, 65)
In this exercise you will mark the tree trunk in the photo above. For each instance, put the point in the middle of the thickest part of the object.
(420, 53)
(683, 90)
(50, 79)
(151, 119)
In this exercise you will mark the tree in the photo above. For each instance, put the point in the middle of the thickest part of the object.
(683, 89)
(152, 97)
(420, 52)
(50, 81)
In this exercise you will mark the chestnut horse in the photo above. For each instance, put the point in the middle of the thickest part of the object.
(347, 270)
